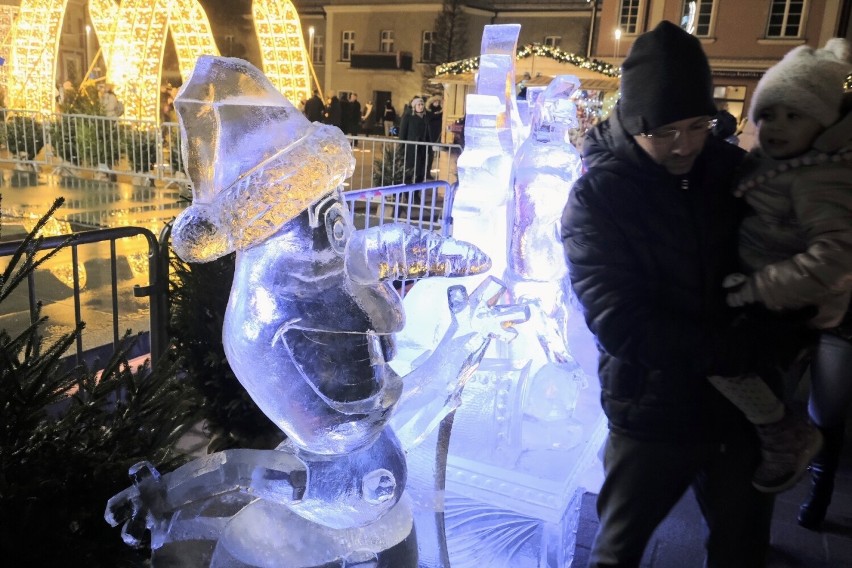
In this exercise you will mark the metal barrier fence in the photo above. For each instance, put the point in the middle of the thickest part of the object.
(92, 146)
(52, 283)
(148, 153)
(382, 162)
(426, 205)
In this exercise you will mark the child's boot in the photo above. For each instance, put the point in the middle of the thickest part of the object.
(787, 447)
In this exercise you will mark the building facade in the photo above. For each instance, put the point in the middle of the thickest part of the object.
(387, 48)
(742, 39)
(383, 48)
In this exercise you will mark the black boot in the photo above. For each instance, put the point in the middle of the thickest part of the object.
(823, 469)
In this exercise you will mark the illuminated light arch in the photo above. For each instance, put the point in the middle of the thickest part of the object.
(32, 61)
(139, 27)
(282, 48)
(135, 60)
(104, 16)
(191, 33)
(8, 15)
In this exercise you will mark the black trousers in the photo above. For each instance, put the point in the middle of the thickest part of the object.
(644, 480)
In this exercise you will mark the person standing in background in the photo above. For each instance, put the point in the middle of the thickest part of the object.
(389, 117)
(415, 128)
(314, 109)
(435, 120)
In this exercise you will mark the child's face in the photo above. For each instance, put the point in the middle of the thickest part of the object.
(784, 132)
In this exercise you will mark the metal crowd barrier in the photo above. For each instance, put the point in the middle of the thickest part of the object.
(426, 205)
(147, 153)
(92, 146)
(50, 283)
(381, 162)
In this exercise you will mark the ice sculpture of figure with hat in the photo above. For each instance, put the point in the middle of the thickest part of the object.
(308, 332)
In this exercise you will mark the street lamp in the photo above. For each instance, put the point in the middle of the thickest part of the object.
(617, 40)
(311, 43)
(88, 45)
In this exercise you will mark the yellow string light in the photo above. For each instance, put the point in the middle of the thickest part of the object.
(8, 15)
(472, 64)
(35, 49)
(282, 48)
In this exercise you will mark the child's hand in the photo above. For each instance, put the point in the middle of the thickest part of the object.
(740, 290)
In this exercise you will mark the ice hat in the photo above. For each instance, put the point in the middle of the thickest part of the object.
(254, 160)
(664, 78)
(808, 80)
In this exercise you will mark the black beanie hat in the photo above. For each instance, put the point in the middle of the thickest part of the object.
(664, 78)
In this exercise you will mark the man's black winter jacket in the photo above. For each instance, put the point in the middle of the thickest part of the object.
(647, 252)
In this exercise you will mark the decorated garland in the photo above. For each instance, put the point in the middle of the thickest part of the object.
(472, 64)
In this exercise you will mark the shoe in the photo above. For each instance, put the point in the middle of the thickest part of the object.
(787, 447)
(823, 470)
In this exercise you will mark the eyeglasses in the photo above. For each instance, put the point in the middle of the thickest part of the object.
(669, 135)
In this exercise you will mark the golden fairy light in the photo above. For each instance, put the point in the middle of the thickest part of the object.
(134, 65)
(191, 34)
(133, 38)
(282, 48)
(104, 16)
(32, 61)
(8, 15)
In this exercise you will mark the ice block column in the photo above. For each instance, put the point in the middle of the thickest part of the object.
(491, 132)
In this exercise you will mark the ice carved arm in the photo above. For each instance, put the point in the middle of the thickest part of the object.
(152, 499)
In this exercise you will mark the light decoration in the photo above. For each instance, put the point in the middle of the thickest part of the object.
(472, 64)
(104, 16)
(8, 15)
(35, 49)
(191, 33)
(282, 48)
(134, 64)
(132, 39)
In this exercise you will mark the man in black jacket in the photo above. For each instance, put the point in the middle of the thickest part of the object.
(314, 108)
(649, 233)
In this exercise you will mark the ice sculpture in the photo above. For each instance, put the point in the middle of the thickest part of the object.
(309, 330)
(545, 168)
(526, 431)
(491, 136)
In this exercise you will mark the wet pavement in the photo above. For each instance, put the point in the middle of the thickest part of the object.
(89, 204)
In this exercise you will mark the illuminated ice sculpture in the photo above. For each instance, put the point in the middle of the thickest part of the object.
(309, 330)
(525, 438)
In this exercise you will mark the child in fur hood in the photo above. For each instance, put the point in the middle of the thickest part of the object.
(796, 248)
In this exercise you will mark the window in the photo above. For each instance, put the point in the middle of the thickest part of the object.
(785, 18)
(386, 41)
(552, 41)
(428, 48)
(697, 17)
(347, 45)
(628, 16)
(318, 49)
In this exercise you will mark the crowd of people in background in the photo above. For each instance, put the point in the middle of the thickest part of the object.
(347, 113)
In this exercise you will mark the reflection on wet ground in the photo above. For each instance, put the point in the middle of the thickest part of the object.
(89, 204)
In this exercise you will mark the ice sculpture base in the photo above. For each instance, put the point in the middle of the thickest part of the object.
(236, 531)
(507, 505)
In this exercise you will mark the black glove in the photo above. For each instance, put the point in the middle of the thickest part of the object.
(760, 341)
